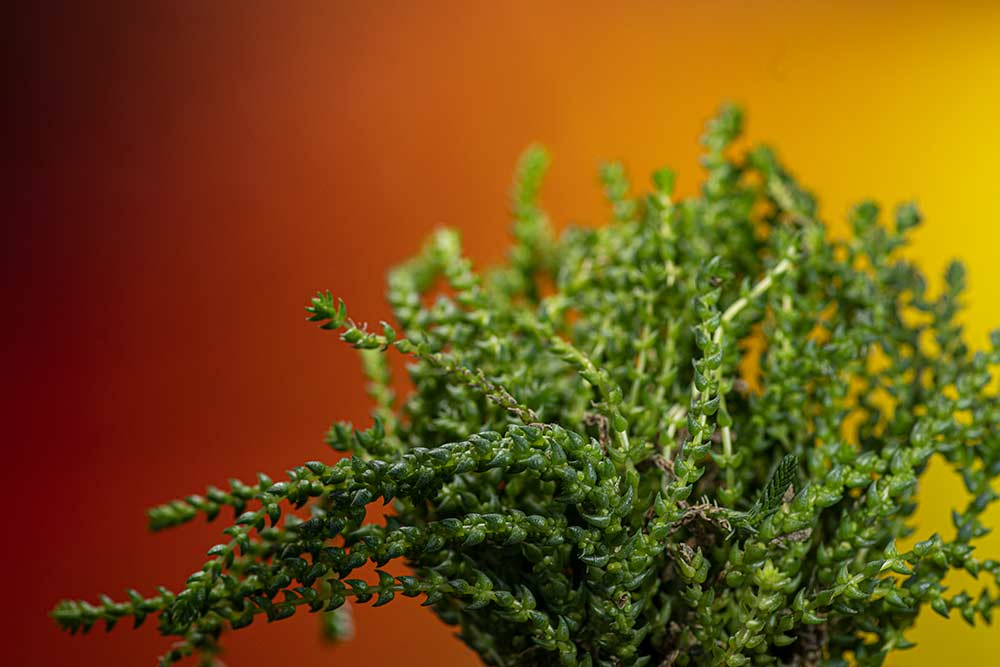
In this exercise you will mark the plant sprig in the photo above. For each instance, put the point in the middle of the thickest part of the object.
(592, 467)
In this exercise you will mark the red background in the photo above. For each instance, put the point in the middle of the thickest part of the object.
(187, 174)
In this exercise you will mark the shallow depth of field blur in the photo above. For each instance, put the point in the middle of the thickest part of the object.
(189, 173)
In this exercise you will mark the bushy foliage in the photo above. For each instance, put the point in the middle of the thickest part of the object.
(691, 437)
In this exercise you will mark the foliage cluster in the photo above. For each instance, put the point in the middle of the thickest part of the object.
(691, 437)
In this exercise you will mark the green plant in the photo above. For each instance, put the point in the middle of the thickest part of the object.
(691, 437)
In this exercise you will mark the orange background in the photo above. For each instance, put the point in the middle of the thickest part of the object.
(188, 173)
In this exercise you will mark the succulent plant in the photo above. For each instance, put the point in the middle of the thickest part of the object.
(693, 436)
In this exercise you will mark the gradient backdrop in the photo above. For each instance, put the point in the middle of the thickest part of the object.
(188, 173)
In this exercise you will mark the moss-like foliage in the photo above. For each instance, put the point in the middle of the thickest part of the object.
(690, 437)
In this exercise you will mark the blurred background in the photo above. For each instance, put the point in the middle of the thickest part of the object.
(187, 174)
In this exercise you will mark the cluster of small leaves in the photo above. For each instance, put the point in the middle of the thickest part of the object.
(691, 437)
